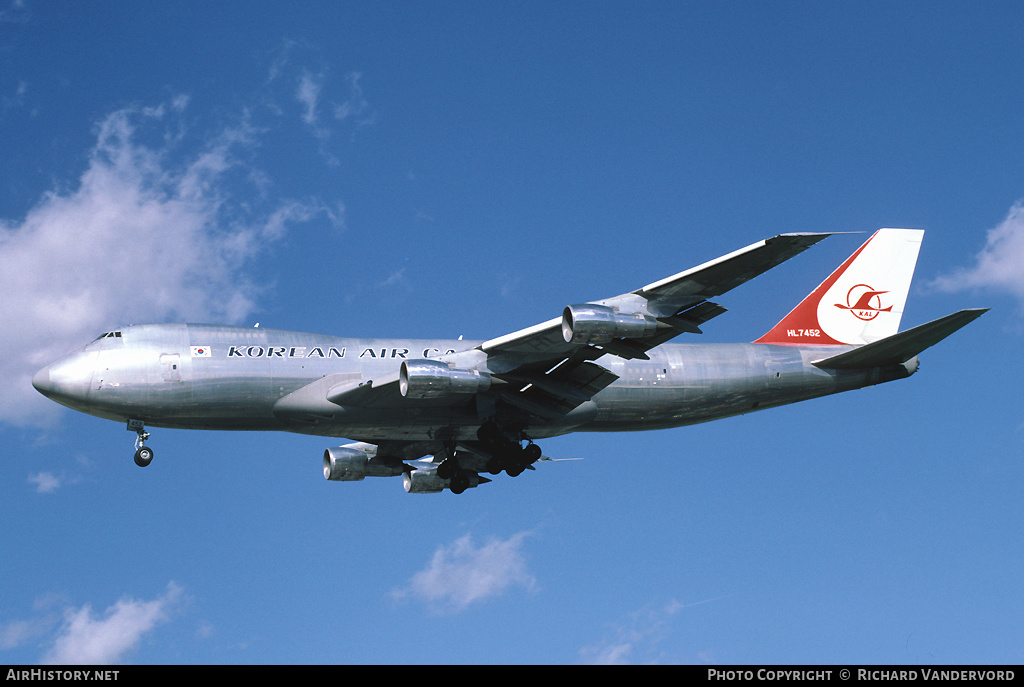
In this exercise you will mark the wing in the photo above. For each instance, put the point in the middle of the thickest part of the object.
(679, 303)
(548, 370)
(549, 366)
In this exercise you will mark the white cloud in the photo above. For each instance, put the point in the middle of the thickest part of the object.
(16, 13)
(88, 639)
(326, 106)
(356, 103)
(151, 232)
(18, 632)
(308, 94)
(46, 482)
(644, 628)
(462, 574)
(313, 93)
(999, 265)
(640, 637)
(17, 100)
(396, 277)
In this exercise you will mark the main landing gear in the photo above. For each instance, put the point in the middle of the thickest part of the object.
(507, 453)
(504, 448)
(143, 453)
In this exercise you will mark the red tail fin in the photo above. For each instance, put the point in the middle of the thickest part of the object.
(860, 302)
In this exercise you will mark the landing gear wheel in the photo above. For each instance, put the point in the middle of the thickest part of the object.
(532, 453)
(144, 456)
(447, 469)
(460, 482)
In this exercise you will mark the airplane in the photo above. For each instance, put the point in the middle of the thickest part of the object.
(443, 413)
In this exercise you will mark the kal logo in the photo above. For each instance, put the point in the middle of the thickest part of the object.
(864, 302)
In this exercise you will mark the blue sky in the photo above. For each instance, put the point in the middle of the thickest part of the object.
(446, 169)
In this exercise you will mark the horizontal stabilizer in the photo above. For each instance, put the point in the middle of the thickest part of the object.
(901, 347)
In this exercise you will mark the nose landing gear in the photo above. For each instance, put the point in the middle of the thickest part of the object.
(143, 454)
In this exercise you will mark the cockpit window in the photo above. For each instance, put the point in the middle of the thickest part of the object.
(108, 334)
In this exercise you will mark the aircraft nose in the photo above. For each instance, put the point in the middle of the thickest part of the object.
(41, 381)
(66, 381)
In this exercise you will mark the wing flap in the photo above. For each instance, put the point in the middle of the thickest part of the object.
(689, 319)
(559, 391)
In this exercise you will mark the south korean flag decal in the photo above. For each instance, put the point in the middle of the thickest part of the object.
(200, 351)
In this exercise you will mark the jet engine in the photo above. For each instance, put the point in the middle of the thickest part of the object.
(426, 481)
(347, 464)
(433, 379)
(595, 324)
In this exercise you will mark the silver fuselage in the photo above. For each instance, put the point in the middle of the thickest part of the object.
(236, 378)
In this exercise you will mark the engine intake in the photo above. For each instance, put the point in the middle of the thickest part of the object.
(433, 379)
(345, 464)
(423, 481)
(595, 324)
(348, 464)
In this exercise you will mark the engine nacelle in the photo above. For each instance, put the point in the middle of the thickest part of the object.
(595, 324)
(433, 379)
(351, 464)
(423, 481)
(426, 481)
(345, 464)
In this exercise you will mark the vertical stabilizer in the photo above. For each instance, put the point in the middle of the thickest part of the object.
(860, 302)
